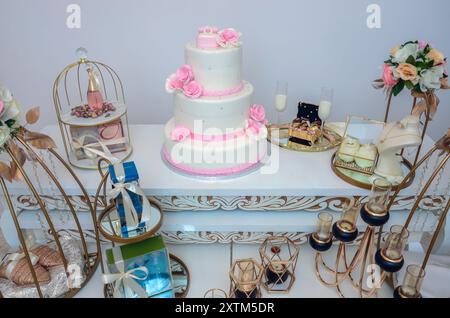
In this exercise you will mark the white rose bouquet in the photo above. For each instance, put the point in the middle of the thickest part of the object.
(414, 65)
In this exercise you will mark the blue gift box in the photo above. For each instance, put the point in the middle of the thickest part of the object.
(131, 173)
(130, 176)
(152, 255)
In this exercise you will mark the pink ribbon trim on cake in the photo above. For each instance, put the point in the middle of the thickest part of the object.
(234, 135)
(211, 172)
(225, 92)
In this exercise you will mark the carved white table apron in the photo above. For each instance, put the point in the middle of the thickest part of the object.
(242, 210)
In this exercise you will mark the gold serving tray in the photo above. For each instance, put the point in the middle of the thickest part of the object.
(363, 180)
(282, 140)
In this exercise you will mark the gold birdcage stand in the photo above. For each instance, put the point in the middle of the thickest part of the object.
(83, 137)
(20, 149)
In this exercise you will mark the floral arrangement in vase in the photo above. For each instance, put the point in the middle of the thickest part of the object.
(13, 132)
(416, 66)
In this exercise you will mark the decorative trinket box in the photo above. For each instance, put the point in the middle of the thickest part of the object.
(140, 270)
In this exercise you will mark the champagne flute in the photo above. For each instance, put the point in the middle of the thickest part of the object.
(281, 98)
(326, 100)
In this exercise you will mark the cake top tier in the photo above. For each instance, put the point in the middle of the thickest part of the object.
(210, 37)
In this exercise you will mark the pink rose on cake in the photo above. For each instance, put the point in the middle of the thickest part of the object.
(388, 76)
(182, 77)
(180, 133)
(185, 74)
(229, 38)
(193, 90)
(258, 114)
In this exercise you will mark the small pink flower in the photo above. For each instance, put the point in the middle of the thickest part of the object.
(2, 106)
(193, 90)
(422, 45)
(180, 133)
(174, 83)
(258, 113)
(388, 76)
(228, 38)
(185, 74)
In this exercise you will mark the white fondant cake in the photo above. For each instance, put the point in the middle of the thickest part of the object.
(216, 130)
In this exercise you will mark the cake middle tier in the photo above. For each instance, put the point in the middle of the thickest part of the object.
(217, 70)
(215, 114)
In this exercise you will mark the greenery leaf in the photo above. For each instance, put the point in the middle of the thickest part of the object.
(409, 85)
(411, 60)
(398, 87)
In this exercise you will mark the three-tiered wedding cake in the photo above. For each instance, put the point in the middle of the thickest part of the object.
(216, 130)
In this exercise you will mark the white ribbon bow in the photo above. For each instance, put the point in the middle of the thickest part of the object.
(127, 280)
(14, 259)
(91, 151)
(123, 188)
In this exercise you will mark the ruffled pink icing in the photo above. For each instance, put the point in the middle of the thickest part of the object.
(211, 172)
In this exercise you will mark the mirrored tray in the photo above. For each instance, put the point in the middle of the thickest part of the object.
(180, 274)
(282, 139)
(109, 224)
(364, 181)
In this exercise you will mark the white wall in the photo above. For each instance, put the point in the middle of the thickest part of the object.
(309, 43)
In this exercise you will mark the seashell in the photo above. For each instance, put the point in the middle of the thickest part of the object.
(47, 257)
(21, 274)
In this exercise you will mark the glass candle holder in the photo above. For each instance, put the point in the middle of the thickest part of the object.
(395, 243)
(347, 223)
(413, 281)
(323, 228)
(379, 196)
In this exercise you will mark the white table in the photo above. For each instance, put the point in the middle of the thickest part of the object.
(303, 186)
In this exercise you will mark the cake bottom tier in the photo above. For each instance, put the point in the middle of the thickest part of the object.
(222, 158)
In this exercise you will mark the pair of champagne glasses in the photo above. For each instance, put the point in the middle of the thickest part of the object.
(326, 101)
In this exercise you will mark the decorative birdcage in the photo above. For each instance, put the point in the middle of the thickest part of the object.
(92, 113)
(59, 260)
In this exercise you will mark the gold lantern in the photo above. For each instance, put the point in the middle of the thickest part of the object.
(245, 275)
(92, 113)
(279, 257)
(59, 263)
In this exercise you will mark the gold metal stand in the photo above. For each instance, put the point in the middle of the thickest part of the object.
(15, 149)
(344, 270)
